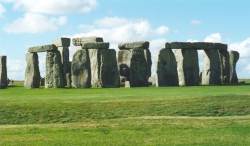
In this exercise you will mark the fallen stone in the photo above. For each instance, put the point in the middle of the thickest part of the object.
(167, 68)
(81, 41)
(80, 69)
(32, 73)
(211, 74)
(3, 72)
(134, 45)
(54, 70)
(44, 48)
(234, 58)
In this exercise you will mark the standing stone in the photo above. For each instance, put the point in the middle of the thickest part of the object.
(138, 69)
(80, 69)
(109, 73)
(94, 55)
(3, 72)
(225, 69)
(187, 66)
(124, 60)
(211, 74)
(147, 54)
(63, 46)
(167, 68)
(234, 57)
(32, 73)
(54, 70)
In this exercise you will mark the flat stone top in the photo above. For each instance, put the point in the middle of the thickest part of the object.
(95, 45)
(62, 42)
(44, 48)
(134, 45)
(195, 45)
(80, 41)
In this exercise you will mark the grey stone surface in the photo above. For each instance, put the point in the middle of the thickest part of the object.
(80, 41)
(138, 69)
(124, 61)
(54, 70)
(80, 69)
(225, 69)
(134, 45)
(211, 74)
(109, 73)
(43, 48)
(62, 42)
(234, 57)
(66, 65)
(167, 68)
(187, 66)
(32, 72)
(127, 84)
(195, 45)
(95, 45)
(3, 72)
(148, 58)
(94, 55)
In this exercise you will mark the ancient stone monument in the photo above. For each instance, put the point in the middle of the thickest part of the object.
(63, 46)
(99, 61)
(234, 57)
(135, 63)
(167, 68)
(54, 68)
(3, 72)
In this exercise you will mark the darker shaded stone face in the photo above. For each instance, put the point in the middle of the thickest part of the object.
(234, 58)
(3, 72)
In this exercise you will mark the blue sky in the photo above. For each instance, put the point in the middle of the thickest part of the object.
(25, 23)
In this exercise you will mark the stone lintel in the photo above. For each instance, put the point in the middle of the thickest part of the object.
(82, 40)
(44, 48)
(95, 45)
(134, 45)
(195, 45)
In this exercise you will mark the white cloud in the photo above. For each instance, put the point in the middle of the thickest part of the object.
(53, 6)
(242, 47)
(35, 23)
(195, 22)
(162, 30)
(15, 69)
(215, 37)
(2, 9)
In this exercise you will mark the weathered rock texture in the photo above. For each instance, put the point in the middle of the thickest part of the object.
(63, 46)
(211, 74)
(135, 63)
(80, 69)
(167, 68)
(81, 41)
(54, 70)
(3, 72)
(234, 57)
(44, 48)
(32, 73)
(225, 69)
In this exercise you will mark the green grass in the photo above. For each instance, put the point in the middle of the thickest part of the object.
(181, 116)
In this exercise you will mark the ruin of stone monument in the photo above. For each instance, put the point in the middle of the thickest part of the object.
(3, 72)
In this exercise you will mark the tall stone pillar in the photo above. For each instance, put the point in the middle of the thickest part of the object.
(63, 46)
(167, 68)
(234, 57)
(54, 70)
(135, 63)
(211, 74)
(32, 73)
(187, 63)
(3, 72)
(225, 69)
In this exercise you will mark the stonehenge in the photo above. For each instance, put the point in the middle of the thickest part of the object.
(3, 72)
(134, 60)
(95, 65)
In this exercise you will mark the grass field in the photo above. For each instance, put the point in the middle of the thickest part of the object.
(184, 116)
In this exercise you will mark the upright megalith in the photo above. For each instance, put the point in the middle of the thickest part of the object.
(187, 63)
(225, 69)
(63, 46)
(103, 63)
(212, 71)
(54, 70)
(234, 57)
(80, 69)
(32, 73)
(135, 63)
(3, 72)
(167, 68)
